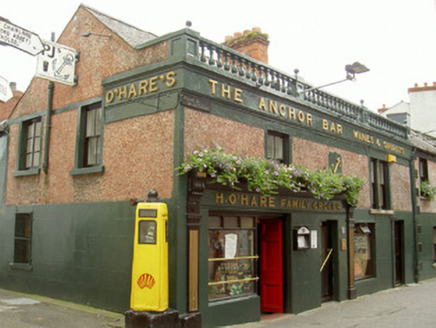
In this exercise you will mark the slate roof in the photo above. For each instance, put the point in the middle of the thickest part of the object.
(132, 35)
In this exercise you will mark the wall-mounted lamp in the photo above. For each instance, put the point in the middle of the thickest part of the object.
(88, 34)
(352, 70)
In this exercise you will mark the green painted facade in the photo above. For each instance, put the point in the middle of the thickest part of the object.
(82, 252)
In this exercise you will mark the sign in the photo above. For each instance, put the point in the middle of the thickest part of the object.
(20, 38)
(5, 90)
(57, 63)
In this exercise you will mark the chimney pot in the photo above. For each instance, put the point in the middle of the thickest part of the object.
(13, 85)
(228, 38)
(416, 85)
(246, 32)
(257, 30)
(425, 84)
(237, 35)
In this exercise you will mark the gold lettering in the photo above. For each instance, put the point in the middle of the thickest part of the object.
(219, 198)
(301, 116)
(282, 202)
(143, 87)
(309, 119)
(315, 205)
(295, 204)
(325, 125)
(272, 106)
(253, 201)
(212, 86)
(271, 202)
(339, 129)
(244, 200)
(237, 95)
(132, 91)
(171, 80)
(122, 91)
(282, 110)
(262, 103)
(333, 127)
(232, 199)
(225, 90)
(110, 97)
(291, 113)
(153, 85)
(262, 201)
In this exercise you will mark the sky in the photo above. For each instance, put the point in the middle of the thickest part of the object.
(395, 39)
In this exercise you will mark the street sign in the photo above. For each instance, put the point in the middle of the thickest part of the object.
(20, 38)
(57, 63)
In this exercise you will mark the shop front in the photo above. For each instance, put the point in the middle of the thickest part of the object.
(269, 254)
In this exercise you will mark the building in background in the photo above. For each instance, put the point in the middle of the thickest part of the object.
(74, 156)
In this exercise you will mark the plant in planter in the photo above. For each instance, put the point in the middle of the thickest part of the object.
(265, 176)
(427, 190)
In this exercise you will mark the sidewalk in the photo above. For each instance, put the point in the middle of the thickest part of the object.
(406, 306)
(30, 311)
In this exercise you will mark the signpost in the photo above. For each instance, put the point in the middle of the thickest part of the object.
(20, 38)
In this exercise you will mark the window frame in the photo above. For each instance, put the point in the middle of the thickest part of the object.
(371, 227)
(423, 172)
(285, 146)
(380, 185)
(227, 262)
(23, 141)
(80, 159)
(27, 217)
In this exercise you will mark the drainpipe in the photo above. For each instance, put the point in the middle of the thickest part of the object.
(414, 214)
(48, 125)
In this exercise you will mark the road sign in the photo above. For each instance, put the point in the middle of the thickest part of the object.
(20, 38)
(56, 63)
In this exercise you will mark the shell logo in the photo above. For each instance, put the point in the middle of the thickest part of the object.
(146, 280)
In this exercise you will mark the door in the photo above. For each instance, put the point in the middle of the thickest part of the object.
(398, 249)
(326, 268)
(271, 265)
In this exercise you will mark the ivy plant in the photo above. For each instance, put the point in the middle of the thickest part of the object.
(265, 176)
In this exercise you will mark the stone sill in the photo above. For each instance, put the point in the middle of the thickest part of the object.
(381, 212)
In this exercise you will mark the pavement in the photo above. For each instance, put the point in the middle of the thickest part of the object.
(412, 305)
(19, 310)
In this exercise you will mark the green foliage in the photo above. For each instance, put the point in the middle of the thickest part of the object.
(427, 190)
(265, 176)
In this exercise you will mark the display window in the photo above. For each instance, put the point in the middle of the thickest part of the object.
(363, 251)
(232, 256)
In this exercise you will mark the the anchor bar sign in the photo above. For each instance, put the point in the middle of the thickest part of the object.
(57, 63)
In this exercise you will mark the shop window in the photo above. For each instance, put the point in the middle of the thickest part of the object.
(29, 147)
(232, 257)
(380, 184)
(89, 141)
(23, 239)
(363, 251)
(276, 146)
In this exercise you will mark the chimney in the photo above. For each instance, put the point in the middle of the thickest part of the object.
(13, 85)
(382, 110)
(252, 43)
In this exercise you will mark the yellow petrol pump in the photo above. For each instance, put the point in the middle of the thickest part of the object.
(150, 257)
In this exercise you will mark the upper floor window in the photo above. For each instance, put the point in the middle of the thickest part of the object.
(380, 184)
(276, 145)
(89, 140)
(92, 144)
(32, 142)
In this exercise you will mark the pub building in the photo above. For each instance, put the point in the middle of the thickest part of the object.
(73, 157)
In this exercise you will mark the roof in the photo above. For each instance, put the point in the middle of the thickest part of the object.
(424, 142)
(132, 35)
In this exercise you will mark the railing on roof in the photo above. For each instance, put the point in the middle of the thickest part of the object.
(228, 60)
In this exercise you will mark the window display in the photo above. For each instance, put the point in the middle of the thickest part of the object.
(363, 251)
(232, 257)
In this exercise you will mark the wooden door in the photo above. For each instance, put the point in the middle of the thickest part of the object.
(271, 265)
(326, 270)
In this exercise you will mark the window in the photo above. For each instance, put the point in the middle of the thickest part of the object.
(379, 184)
(23, 239)
(232, 259)
(89, 141)
(276, 145)
(363, 251)
(29, 147)
(423, 172)
(92, 143)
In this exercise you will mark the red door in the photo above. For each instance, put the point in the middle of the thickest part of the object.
(271, 266)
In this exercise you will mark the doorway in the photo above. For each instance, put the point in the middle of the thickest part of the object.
(398, 252)
(271, 265)
(326, 256)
